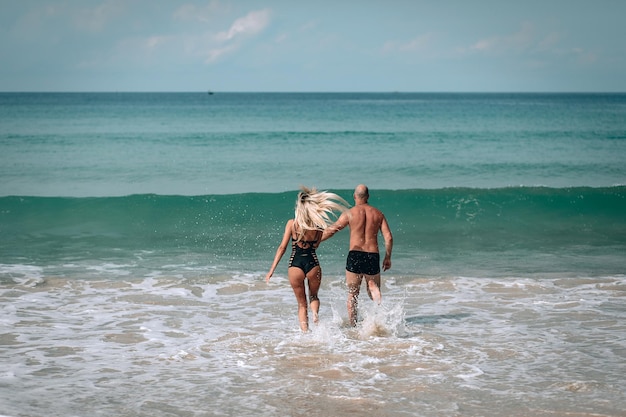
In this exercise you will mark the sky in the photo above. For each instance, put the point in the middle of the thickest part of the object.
(313, 46)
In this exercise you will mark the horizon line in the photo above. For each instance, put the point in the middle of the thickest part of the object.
(212, 92)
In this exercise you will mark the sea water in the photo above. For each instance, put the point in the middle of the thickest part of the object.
(136, 231)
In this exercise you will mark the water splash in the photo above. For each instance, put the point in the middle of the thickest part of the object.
(384, 320)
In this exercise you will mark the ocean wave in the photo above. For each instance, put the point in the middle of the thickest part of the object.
(448, 230)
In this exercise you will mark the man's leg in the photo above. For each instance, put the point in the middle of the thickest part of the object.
(373, 287)
(353, 282)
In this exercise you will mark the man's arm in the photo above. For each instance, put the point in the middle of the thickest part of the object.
(386, 231)
(341, 222)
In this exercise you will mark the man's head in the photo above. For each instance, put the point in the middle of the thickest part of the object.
(361, 193)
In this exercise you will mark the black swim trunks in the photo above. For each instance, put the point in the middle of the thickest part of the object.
(363, 262)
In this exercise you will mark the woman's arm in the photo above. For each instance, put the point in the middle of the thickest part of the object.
(281, 249)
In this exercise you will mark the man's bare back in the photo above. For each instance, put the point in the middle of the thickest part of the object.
(365, 221)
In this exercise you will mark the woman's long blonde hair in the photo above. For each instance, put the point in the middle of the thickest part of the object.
(313, 209)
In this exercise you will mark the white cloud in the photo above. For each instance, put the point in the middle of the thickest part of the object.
(207, 45)
(253, 23)
(519, 40)
(309, 26)
(283, 37)
(229, 41)
(154, 42)
(216, 53)
(549, 41)
(583, 56)
(549, 47)
(484, 45)
(419, 43)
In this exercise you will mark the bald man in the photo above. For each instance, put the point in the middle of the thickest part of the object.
(363, 260)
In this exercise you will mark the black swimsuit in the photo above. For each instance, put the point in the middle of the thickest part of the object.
(303, 254)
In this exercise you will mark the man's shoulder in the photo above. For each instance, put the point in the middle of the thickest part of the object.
(374, 209)
(370, 214)
(364, 207)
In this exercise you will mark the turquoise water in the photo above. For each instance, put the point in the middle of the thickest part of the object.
(199, 144)
(136, 231)
(506, 183)
(444, 232)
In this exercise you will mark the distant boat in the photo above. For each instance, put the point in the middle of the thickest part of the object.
(210, 92)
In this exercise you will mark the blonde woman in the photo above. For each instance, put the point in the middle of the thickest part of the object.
(312, 217)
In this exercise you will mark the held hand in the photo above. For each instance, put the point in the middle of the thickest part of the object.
(386, 264)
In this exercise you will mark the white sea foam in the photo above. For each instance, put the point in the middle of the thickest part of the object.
(26, 275)
(158, 344)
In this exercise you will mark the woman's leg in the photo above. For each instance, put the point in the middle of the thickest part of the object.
(296, 279)
(315, 280)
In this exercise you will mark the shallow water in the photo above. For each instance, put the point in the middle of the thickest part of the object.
(230, 345)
